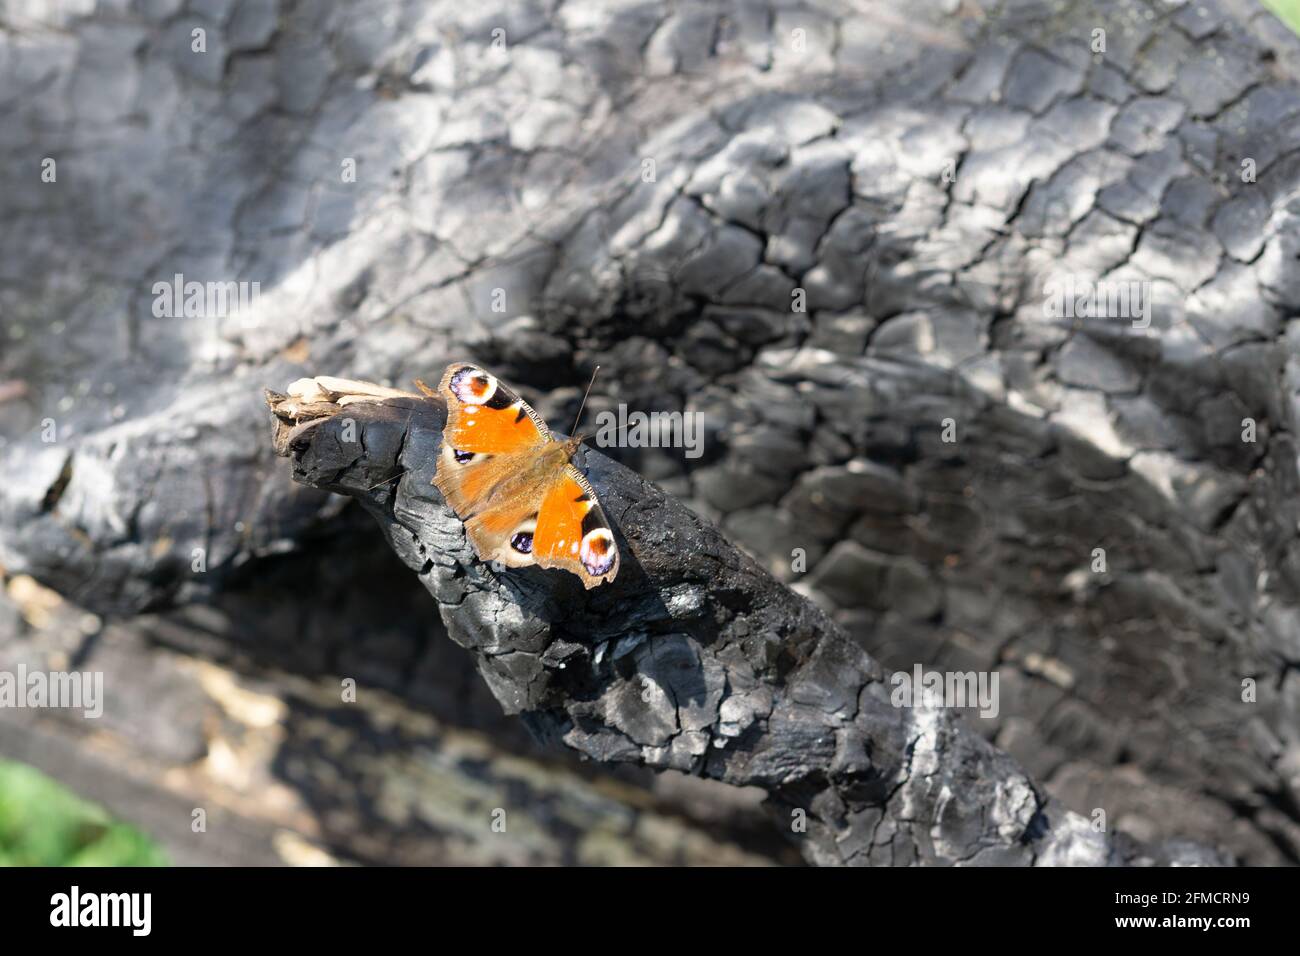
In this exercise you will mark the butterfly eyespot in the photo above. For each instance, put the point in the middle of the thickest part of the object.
(473, 386)
(597, 551)
(462, 456)
(522, 541)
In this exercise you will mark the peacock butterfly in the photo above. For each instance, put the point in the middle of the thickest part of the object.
(522, 499)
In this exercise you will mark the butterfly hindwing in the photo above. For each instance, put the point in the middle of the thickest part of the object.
(504, 531)
(467, 479)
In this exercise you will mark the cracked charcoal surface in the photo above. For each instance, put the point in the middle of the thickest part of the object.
(695, 659)
(775, 169)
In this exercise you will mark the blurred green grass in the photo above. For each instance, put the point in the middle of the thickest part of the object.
(1288, 11)
(44, 824)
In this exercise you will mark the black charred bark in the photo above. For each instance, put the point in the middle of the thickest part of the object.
(695, 659)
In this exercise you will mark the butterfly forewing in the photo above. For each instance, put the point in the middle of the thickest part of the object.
(484, 417)
(572, 531)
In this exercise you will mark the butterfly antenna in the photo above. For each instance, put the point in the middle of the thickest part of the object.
(386, 481)
(578, 418)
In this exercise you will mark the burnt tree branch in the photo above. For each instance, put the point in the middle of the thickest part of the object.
(694, 659)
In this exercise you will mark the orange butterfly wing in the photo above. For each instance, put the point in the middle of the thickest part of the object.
(484, 417)
(572, 531)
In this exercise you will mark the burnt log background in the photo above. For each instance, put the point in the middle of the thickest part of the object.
(794, 146)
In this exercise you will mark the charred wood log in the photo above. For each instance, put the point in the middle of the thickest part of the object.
(694, 659)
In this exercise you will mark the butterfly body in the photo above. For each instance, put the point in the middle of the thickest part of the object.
(516, 488)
